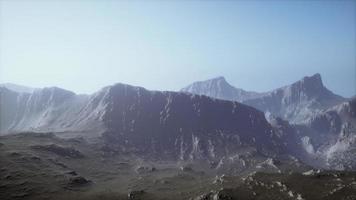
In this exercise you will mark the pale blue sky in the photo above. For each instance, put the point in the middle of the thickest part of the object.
(257, 45)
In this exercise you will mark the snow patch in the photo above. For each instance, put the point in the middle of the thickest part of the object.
(307, 145)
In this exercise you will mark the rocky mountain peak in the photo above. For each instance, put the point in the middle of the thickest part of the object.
(315, 78)
(213, 83)
(312, 83)
(219, 88)
(219, 78)
(312, 88)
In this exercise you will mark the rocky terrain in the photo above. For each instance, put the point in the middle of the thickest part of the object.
(306, 114)
(332, 135)
(126, 142)
(45, 166)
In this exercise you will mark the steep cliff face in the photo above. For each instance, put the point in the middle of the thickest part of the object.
(183, 125)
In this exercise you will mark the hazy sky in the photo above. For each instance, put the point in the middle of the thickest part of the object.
(260, 45)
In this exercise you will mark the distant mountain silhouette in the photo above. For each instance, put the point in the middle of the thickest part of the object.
(296, 102)
(299, 101)
(219, 88)
(17, 88)
(47, 109)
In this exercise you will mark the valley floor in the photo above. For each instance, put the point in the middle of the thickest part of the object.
(43, 166)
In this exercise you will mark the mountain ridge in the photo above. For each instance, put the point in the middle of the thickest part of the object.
(219, 88)
(18, 88)
(298, 101)
(169, 124)
(292, 102)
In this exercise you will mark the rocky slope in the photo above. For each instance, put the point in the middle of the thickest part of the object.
(332, 135)
(326, 140)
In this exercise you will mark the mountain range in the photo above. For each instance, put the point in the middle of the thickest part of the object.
(322, 122)
(209, 120)
(165, 124)
(208, 141)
